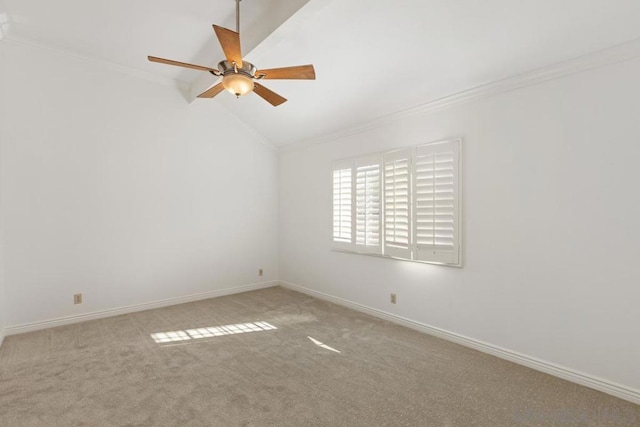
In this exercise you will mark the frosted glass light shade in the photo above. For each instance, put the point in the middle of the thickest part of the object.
(238, 84)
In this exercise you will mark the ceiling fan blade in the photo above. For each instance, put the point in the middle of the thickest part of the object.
(212, 91)
(181, 64)
(300, 72)
(230, 42)
(268, 95)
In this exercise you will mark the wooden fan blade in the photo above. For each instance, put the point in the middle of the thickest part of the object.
(268, 95)
(230, 42)
(181, 64)
(300, 72)
(212, 91)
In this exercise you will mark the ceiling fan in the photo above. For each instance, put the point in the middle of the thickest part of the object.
(240, 77)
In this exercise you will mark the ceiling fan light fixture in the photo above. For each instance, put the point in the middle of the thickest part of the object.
(237, 83)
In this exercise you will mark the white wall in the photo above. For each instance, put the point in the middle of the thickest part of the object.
(551, 224)
(3, 124)
(116, 187)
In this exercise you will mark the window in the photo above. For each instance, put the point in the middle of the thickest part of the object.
(356, 205)
(401, 204)
(342, 207)
(435, 203)
(367, 212)
(397, 204)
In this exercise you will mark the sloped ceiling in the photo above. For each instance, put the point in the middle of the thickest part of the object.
(371, 57)
(126, 31)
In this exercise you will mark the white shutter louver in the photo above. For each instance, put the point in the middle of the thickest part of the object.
(342, 207)
(368, 207)
(436, 205)
(397, 207)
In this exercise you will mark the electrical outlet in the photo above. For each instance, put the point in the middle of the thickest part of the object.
(393, 298)
(260, 272)
(77, 299)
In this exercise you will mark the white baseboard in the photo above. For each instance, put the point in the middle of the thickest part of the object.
(67, 320)
(600, 384)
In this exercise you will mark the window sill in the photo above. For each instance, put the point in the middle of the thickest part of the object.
(345, 251)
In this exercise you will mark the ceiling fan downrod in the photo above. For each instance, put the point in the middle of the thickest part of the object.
(238, 16)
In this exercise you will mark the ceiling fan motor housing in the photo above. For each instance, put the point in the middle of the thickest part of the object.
(247, 68)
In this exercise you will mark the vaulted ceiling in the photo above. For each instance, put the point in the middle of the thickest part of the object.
(372, 57)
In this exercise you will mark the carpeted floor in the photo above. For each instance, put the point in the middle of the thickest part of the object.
(275, 358)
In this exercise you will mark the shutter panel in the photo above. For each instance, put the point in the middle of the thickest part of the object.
(436, 202)
(368, 180)
(342, 207)
(397, 207)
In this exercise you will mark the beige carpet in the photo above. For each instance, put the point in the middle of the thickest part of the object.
(275, 358)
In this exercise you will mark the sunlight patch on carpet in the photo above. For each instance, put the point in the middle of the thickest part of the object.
(322, 345)
(209, 332)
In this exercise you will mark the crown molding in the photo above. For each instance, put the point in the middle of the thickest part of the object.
(609, 56)
(101, 63)
(182, 86)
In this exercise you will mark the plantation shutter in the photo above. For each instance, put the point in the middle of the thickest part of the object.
(343, 206)
(368, 206)
(397, 208)
(436, 202)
